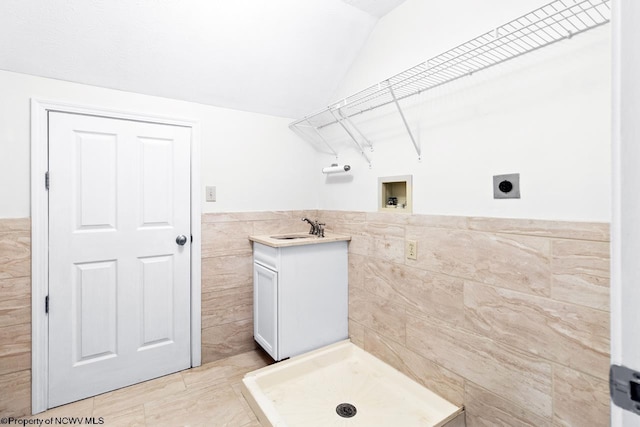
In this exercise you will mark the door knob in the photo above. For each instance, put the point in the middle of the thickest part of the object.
(181, 239)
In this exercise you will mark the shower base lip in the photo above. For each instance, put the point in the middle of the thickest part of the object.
(306, 389)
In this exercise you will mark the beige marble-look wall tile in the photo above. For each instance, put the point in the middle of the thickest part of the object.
(227, 340)
(225, 306)
(385, 230)
(533, 227)
(285, 226)
(395, 282)
(8, 225)
(516, 262)
(353, 229)
(439, 221)
(226, 238)
(356, 333)
(580, 272)
(335, 217)
(359, 244)
(386, 248)
(15, 255)
(579, 399)
(388, 218)
(486, 409)
(430, 293)
(507, 372)
(356, 270)
(15, 348)
(431, 375)
(15, 398)
(226, 272)
(569, 334)
(15, 301)
(245, 216)
(384, 317)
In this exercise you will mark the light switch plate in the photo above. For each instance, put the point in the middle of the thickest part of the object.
(211, 193)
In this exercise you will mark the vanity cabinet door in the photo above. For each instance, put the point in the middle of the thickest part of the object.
(265, 308)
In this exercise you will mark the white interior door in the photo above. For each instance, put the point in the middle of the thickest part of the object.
(119, 282)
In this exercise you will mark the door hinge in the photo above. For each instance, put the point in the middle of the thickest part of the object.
(192, 238)
(46, 304)
(46, 180)
(624, 388)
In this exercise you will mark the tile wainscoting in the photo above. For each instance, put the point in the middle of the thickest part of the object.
(509, 317)
(227, 294)
(227, 276)
(15, 317)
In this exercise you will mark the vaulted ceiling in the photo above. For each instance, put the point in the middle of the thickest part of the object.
(278, 57)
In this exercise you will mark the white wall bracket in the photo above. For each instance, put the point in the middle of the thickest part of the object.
(348, 120)
(298, 130)
(355, 141)
(404, 120)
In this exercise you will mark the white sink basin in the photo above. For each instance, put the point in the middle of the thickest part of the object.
(292, 236)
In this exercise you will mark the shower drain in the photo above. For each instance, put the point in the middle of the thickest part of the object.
(346, 410)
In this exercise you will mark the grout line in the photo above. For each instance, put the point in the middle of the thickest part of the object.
(516, 405)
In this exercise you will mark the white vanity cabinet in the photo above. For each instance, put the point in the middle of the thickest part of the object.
(300, 296)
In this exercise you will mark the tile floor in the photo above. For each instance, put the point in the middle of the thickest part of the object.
(205, 396)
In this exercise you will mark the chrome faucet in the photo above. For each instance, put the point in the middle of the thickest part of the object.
(317, 229)
(313, 226)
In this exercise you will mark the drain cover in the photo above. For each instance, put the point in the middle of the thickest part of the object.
(346, 410)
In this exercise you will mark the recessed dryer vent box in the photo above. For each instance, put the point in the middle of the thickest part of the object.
(506, 186)
(395, 194)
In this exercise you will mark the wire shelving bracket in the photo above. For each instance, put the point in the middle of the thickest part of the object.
(556, 21)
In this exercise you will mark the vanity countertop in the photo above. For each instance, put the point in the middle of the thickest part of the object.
(297, 239)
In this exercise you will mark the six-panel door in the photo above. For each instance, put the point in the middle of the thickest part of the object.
(119, 284)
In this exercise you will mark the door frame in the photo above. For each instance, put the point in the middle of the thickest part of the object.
(40, 233)
(625, 234)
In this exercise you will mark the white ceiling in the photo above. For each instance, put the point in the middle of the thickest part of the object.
(279, 57)
(377, 8)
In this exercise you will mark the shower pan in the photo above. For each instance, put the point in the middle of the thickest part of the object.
(341, 384)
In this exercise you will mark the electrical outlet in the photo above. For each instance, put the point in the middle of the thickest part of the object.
(411, 249)
(211, 194)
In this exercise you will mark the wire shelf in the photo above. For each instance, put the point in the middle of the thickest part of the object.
(556, 21)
